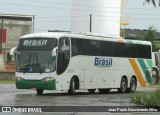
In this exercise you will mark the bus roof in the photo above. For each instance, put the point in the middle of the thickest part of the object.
(85, 36)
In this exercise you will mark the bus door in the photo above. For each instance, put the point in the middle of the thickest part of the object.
(63, 55)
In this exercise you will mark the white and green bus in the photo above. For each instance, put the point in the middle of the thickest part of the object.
(72, 61)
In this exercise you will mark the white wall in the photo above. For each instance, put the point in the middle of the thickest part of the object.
(105, 16)
(1, 63)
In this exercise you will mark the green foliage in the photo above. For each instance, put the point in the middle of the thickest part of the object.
(7, 81)
(152, 99)
(149, 35)
(156, 45)
(137, 98)
(153, 2)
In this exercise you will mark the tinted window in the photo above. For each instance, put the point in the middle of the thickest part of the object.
(129, 50)
(78, 46)
(149, 52)
(107, 48)
(118, 49)
(63, 55)
(143, 51)
(92, 47)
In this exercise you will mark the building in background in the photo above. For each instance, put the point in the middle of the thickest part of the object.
(97, 16)
(125, 18)
(12, 26)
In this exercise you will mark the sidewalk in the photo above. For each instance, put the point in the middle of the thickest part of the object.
(10, 67)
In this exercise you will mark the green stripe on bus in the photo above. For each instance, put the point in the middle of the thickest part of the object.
(39, 84)
(145, 70)
(149, 61)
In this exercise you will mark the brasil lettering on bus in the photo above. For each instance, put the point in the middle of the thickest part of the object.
(103, 62)
(35, 42)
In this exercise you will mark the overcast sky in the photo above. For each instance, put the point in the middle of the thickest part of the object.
(142, 15)
(56, 14)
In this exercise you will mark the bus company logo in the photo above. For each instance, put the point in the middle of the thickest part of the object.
(35, 42)
(103, 62)
(6, 109)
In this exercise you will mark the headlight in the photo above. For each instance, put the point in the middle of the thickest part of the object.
(48, 78)
(19, 79)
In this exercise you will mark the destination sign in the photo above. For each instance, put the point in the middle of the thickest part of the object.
(35, 42)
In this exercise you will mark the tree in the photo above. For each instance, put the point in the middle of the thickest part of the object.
(149, 35)
(153, 2)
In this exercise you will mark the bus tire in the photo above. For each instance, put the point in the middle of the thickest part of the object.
(155, 75)
(133, 85)
(103, 91)
(91, 90)
(123, 86)
(71, 90)
(39, 91)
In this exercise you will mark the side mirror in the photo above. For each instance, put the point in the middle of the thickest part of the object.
(54, 53)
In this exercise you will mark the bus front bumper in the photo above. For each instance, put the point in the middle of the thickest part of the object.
(36, 84)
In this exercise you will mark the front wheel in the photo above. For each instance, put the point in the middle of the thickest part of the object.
(39, 91)
(71, 90)
(123, 86)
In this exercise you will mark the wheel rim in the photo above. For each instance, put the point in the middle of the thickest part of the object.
(133, 86)
(154, 73)
(73, 85)
(124, 85)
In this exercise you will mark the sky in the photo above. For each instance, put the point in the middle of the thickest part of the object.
(142, 15)
(56, 14)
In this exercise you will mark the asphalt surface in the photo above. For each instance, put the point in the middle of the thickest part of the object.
(10, 96)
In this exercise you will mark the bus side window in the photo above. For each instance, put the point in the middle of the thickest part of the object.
(148, 48)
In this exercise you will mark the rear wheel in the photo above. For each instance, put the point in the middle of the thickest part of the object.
(123, 86)
(104, 90)
(71, 90)
(91, 90)
(133, 85)
(39, 91)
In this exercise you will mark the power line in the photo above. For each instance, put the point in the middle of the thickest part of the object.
(38, 6)
(66, 8)
(69, 16)
(64, 21)
(49, 7)
(87, 5)
(81, 15)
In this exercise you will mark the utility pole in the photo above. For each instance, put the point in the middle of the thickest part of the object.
(90, 27)
(1, 37)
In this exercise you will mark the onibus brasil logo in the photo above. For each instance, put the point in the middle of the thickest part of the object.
(103, 62)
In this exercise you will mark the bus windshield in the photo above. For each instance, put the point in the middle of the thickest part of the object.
(35, 62)
(33, 57)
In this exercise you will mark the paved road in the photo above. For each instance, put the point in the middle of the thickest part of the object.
(11, 96)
